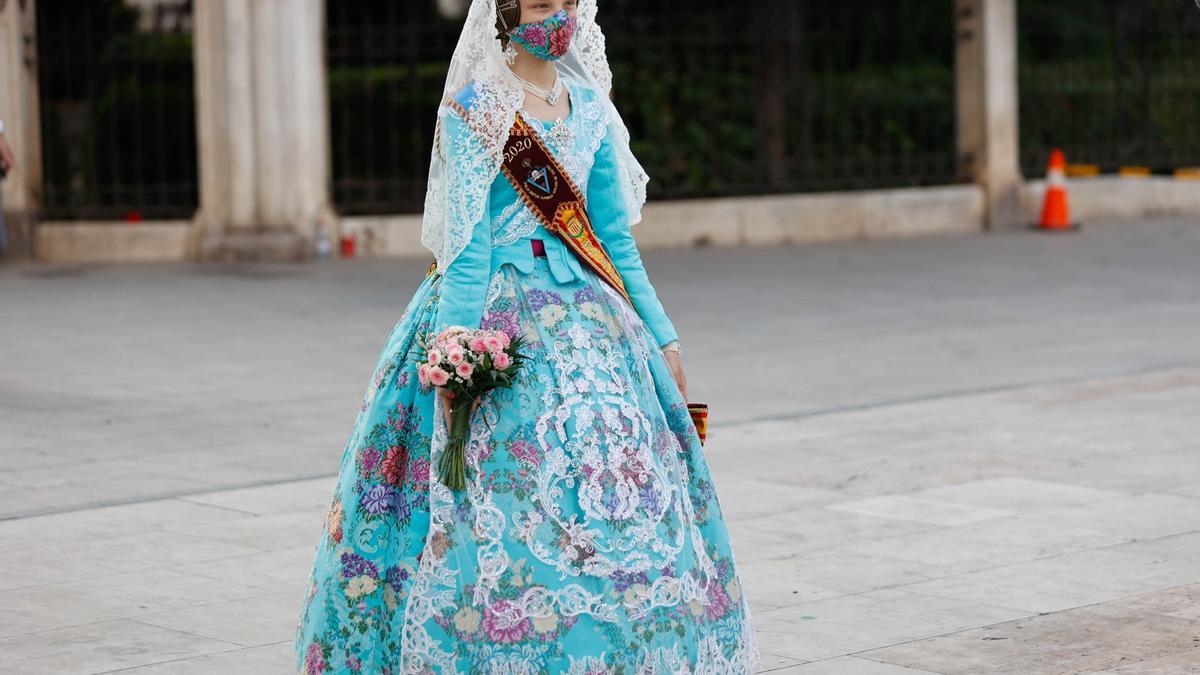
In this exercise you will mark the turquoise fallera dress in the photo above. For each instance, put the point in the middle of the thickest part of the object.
(590, 538)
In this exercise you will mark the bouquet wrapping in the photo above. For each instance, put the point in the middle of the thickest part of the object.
(468, 363)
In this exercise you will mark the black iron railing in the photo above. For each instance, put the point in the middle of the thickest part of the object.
(117, 109)
(387, 65)
(786, 95)
(721, 98)
(1111, 83)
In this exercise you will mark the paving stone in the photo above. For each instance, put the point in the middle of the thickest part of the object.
(1187, 490)
(279, 570)
(101, 647)
(70, 603)
(852, 623)
(1140, 516)
(1015, 493)
(273, 531)
(1182, 602)
(745, 498)
(775, 663)
(1179, 663)
(1077, 579)
(269, 499)
(782, 582)
(906, 507)
(992, 543)
(1072, 641)
(259, 620)
(150, 549)
(779, 582)
(106, 522)
(851, 665)
(273, 658)
(804, 529)
(39, 566)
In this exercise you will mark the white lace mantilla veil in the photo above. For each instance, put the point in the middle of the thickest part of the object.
(460, 177)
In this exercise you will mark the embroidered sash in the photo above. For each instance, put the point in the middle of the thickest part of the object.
(554, 198)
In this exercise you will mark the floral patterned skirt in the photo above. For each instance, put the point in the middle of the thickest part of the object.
(589, 539)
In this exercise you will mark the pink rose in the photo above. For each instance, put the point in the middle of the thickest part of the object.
(492, 343)
(455, 355)
(478, 345)
(504, 339)
(464, 370)
(435, 357)
(438, 377)
(423, 373)
(502, 360)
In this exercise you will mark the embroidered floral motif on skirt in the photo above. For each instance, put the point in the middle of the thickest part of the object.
(589, 540)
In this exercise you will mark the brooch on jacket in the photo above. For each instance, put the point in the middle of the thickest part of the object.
(561, 135)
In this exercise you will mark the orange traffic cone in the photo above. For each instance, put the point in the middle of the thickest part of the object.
(1055, 213)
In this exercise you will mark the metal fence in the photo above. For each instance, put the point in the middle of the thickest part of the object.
(720, 98)
(1111, 83)
(117, 109)
(387, 65)
(786, 95)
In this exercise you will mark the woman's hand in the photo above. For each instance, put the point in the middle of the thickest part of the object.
(447, 398)
(7, 160)
(677, 371)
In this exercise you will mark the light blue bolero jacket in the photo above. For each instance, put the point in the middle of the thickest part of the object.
(587, 154)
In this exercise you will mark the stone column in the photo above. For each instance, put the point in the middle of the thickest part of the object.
(986, 93)
(262, 119)
(22, 190)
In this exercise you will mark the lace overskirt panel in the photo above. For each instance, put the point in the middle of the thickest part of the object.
(590, 537)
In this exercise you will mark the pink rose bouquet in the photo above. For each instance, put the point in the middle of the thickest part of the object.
(467, 362)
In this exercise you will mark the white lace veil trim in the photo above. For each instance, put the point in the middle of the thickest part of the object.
(462, 169)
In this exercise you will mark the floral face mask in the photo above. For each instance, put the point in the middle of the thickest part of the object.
(547, 39)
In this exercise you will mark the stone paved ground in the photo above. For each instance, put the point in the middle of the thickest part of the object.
(971, 454)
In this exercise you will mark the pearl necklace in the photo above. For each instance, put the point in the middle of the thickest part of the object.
(550, 95)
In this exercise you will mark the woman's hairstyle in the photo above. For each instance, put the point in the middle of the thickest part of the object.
(508, 15)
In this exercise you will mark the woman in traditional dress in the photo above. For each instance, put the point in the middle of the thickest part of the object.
(589, 538)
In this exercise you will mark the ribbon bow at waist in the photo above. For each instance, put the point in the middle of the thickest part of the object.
(564, 266)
